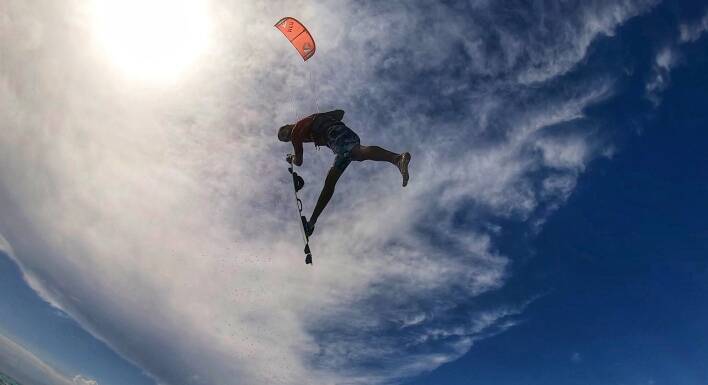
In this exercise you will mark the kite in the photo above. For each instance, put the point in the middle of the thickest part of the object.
(298, 36)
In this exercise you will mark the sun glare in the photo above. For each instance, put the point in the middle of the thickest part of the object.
(152, 39)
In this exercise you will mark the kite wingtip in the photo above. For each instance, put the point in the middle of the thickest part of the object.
(281, 21)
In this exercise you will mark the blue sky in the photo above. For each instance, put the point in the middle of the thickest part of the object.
(553, 232)
(623, 264)
(53, 336)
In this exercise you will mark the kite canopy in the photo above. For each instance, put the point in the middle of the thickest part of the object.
(298, 36)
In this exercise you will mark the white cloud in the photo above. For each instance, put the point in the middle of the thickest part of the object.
(575, 32)
(576, 357)
(5, 246)
(21, 364)
(161, 218)
(660, 78)
(669, 56)
(690, 32)
(570, 153)
(81, 380)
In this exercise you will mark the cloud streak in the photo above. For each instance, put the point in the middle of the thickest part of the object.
(692, 31)
(24, 366)
(159, 216)
(669, 57)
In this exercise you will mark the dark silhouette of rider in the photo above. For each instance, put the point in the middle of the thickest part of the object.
(327, 129)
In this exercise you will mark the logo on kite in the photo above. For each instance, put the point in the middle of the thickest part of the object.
(298, 36)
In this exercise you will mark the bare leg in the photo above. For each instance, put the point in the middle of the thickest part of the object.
(326, 194)
(376, 153)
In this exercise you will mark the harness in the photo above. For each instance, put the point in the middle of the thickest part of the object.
(319, 129)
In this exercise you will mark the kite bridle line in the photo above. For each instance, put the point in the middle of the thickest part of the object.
(314, 90)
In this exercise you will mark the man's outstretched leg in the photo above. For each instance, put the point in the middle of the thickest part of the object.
(326, 194)
(376, 153)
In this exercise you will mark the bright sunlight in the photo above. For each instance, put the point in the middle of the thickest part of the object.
(152, 39)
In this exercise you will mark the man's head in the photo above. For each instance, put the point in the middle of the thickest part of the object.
(285, 132)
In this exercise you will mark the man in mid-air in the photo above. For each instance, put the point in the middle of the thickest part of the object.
(327, 129)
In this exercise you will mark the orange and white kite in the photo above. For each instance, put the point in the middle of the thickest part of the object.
(298, 36)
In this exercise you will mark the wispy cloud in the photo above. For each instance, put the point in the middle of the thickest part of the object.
(26, 367)
(576, 357)
(81, 380)
(669, 56)
(5, 246)
(692, 31)
(660, 77)
(160, 218)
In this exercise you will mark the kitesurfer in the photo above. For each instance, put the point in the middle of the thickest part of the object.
(327, 129)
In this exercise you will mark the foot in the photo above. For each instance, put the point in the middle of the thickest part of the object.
(402, 164)
(309, 228)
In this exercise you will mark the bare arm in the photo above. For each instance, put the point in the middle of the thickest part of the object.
(297, 145)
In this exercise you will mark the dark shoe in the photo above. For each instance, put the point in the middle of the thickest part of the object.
(309, 228)
(402, 164)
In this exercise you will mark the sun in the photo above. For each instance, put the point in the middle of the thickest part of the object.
(152, 39)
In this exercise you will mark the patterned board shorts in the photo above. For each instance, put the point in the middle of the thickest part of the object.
(341, 140)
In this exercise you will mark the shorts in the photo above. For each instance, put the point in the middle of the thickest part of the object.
(341, 140)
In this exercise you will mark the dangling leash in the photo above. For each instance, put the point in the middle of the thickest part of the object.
(299, 183)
